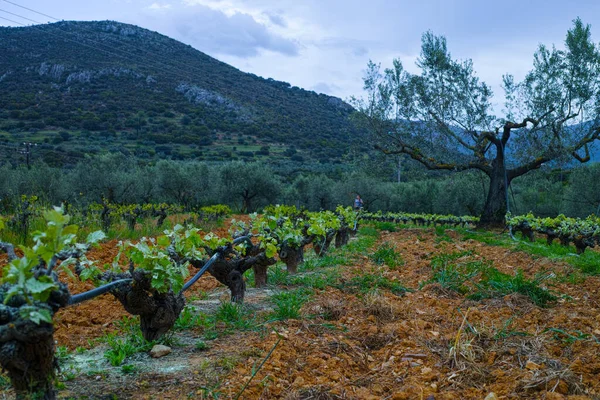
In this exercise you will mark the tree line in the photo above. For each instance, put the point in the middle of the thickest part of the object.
(248, 187)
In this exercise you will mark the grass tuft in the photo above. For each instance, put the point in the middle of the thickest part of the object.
(370, 282)
(386, 254)
(287, 305)
(479, 280)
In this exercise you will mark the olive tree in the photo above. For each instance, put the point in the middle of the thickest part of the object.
(443, 117)
(582, 197)
(248, 182)
(106, 176)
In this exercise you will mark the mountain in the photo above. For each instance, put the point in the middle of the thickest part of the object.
(76, 88)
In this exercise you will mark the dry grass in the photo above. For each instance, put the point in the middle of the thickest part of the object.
(380, 307)
(563, 381)
(330, 309)
(465, 356)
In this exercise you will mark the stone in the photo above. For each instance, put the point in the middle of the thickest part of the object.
(491, 396)
(159, 350)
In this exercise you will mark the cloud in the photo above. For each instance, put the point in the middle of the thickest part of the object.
(276, 19)
(159, 6)
(352, 47)
(217, 33)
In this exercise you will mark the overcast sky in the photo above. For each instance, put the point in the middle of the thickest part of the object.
(324, 45)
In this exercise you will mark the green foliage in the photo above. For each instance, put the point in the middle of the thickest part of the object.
(154, 256)
(582, 194)
(569, 338)
(277, 275)
(477, 279)
(229, 313)
(386, 254)
(347, 215)
(129, 369)
(582, 232)
(62, 354)
(22, 273)
(184, 187)
(494, 283)
(366, 239)
(588, 262)
(333, 259)
(190, 318)
(450, 274)
(234, 317)
(321, 223)
(371, 282)
(287, 305)
(368, 231)
(386, 226)
(201, 345)
(320, 280)
(384, 220)
(118, 352)
(4, 382)
(122, 347)
(216, 211)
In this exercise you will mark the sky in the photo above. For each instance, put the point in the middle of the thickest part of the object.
(324, 45)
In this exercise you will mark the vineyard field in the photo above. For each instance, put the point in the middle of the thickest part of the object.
(401, 312)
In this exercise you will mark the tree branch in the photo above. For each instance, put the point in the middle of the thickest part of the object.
(512, 125)
(523, 169)
(431, 163)
(448, 131)
(582, 159)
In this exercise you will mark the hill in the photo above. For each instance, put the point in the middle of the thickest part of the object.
(87, 87)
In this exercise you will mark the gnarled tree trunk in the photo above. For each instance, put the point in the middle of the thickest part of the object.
(27, 354)
(342, 237)
(158, 311)
(321, 245)
(27, 348)
(260, 275)
(230, 271)
(292, 256)
(495, 207)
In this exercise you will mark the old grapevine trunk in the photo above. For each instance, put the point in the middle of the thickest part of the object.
(230, 271)
(27, 347)
(158, 311)
(292, 256)
(321, 245)
(342, 237)
(260, 275)
(27, 354)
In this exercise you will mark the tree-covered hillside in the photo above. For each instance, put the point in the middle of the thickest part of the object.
(87, 87)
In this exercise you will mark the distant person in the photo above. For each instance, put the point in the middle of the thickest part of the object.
(358, 203)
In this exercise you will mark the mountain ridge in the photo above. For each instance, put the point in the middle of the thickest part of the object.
(162, 91)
